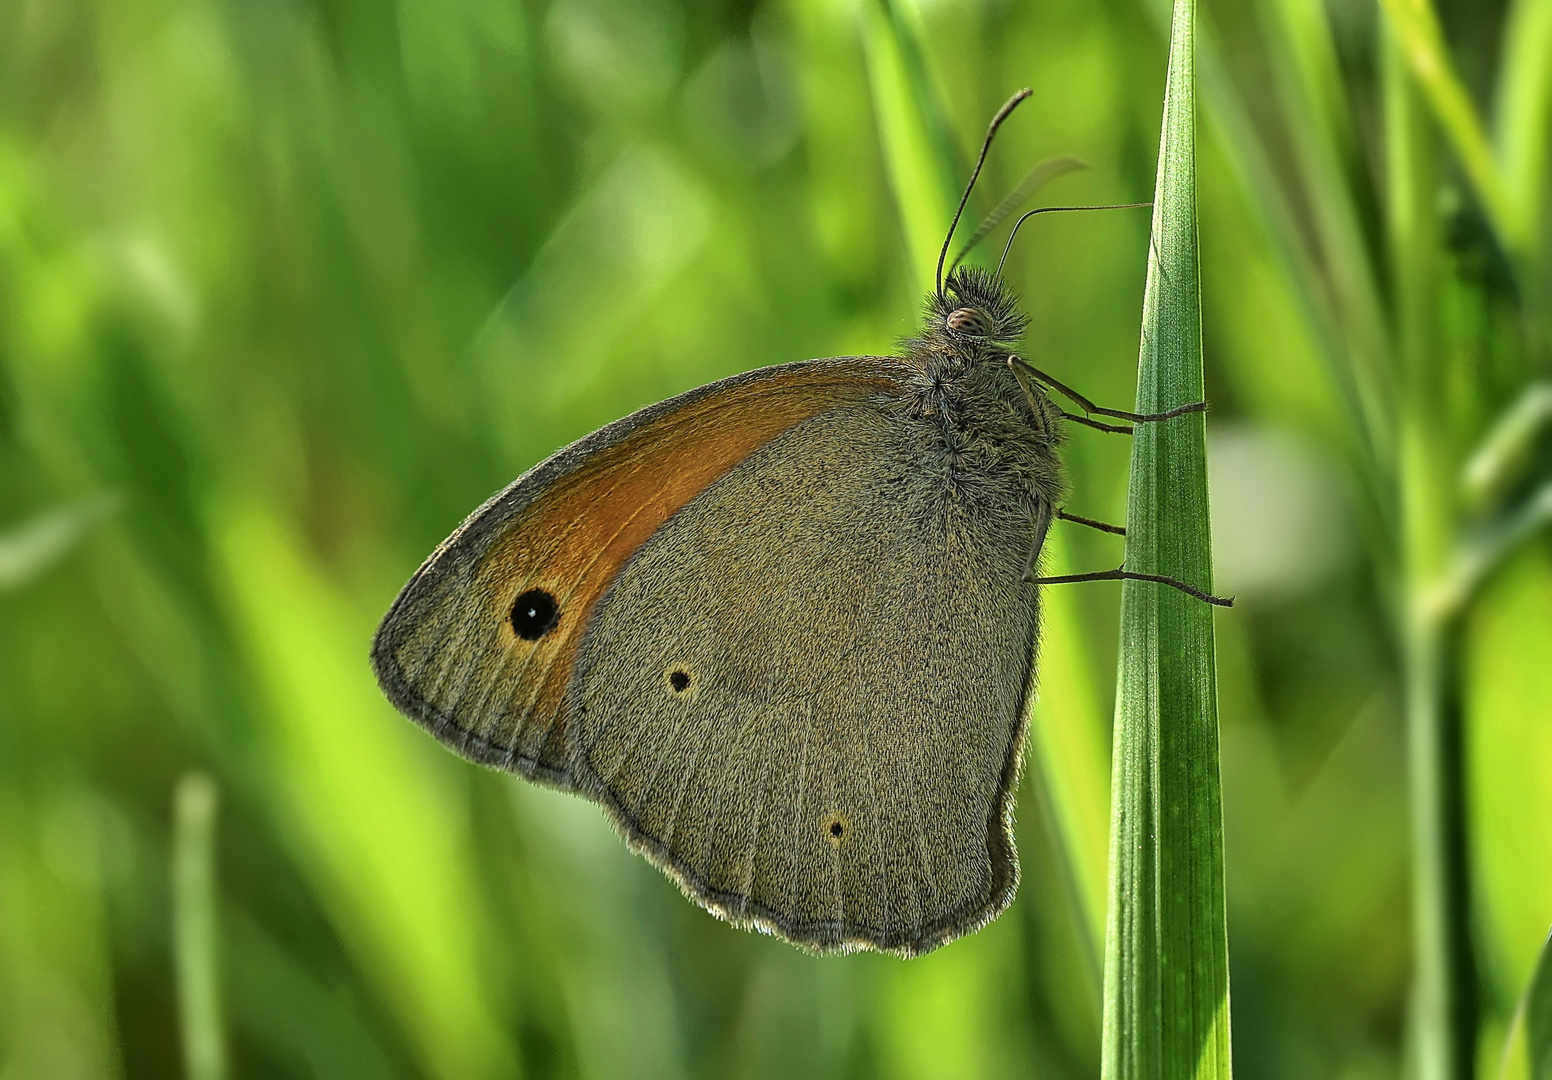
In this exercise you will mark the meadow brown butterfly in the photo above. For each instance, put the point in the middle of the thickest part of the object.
(781, 628)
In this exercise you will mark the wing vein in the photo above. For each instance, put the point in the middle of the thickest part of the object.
(720, 808)
(795, 836)
(875, 848)
(754, 832)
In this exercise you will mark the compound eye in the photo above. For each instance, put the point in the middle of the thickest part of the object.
(972, 322)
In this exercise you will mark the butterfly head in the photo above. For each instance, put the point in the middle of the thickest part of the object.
(974, 318)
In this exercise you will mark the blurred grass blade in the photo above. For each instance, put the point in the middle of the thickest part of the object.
(1504, 455)
(1528, 1052)
(31, 548)
(1422, 39)
(194, 927)
(918, 146)
(1025, 190)
(1166, 961)
(362, 797)
(1068, 744)
(1317, 112)
(1508, 749)
(1442, 1023)
(1255, 179)
(1524, 114)
(1484, 551)
(1538, 1016)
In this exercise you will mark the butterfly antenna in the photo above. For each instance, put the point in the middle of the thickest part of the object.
(1056, 210)
(1036, 179)
(1002, 114)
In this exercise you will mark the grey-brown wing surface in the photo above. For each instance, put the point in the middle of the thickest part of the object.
(802, 696)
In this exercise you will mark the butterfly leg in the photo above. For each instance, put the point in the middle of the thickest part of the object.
(1036, 406)
(1123, 574)
(1114, 429)
(1116, 530)
(1020, 365)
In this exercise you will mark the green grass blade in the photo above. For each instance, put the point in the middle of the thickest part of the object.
(1508, 750)
(1166, 962)
(1443, 1019)
(1417, 25)
(1538, 1017)
(1524, 114)
(194, 927)
(29, 549)
(1527, 1054)
(1505, 455)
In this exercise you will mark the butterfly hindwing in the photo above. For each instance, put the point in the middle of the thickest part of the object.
(803, 696)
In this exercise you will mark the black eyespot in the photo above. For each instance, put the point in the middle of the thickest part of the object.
(680, 681)
(971, 322)
(837, 830)
(534, 615)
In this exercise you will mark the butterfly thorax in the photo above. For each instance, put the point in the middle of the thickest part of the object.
(980, 441)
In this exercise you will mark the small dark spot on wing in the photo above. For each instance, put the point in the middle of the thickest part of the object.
(836, 829)
(682, 680)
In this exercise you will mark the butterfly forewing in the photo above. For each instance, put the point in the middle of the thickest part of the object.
(449, 653)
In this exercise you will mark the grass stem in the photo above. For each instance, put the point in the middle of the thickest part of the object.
(194, 927)
(1443, 1003)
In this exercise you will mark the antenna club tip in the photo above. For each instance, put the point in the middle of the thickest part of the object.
(1013, 103)
(991, 131)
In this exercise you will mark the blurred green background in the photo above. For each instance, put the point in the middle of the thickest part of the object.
(288, 287)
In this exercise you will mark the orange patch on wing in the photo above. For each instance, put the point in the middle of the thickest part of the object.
(574, 537)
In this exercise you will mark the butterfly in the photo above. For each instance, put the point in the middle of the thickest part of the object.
(782, 627)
